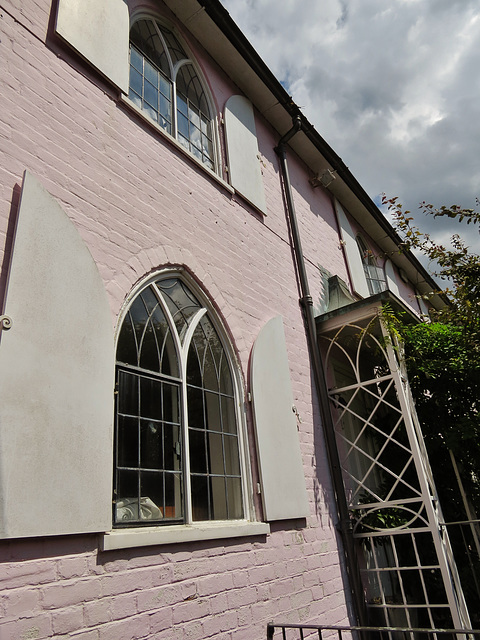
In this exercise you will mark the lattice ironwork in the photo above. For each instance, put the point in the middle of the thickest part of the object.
(408, 568)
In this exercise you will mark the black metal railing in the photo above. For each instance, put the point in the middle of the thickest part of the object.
(323, 632)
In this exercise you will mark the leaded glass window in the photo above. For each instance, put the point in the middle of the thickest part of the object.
(373, 273)
(177, 445)
(165, 84)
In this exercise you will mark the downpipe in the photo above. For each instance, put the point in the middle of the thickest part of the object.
(344, 524)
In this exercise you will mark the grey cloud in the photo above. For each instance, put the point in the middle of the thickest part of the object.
(392, 86)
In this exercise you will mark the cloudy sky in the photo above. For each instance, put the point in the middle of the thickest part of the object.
(392, 85)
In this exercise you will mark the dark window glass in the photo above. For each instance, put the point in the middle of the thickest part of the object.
(374, 275)
(154, 54)
(150, 433)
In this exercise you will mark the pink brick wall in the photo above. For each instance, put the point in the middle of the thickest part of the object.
(140, 204)
(406, 291)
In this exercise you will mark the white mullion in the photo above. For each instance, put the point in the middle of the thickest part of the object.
(172, 79)
(183, 405)
(174, 108)
(175, 70)
(245, 471)
(186, 454)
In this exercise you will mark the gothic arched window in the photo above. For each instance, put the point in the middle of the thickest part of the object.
(178, 453)
(165, 84)
(374, 275)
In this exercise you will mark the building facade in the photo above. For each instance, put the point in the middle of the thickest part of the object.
(171, 225)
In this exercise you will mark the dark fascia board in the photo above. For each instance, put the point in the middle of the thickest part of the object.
(212, 25)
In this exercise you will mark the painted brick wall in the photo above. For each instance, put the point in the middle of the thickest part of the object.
(140, 204)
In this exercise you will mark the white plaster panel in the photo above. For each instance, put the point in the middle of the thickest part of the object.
(391, 278)
(422, 304)
(242, 150)
(354, 261)
(56, 379)
(281, 470)
(99, 31)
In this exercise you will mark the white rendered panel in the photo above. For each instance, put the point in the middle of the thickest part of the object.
(422, 304)
(99, 31)
(56, 380)
(242, 150)
(354, 260)
(281, 470)
(391, 278)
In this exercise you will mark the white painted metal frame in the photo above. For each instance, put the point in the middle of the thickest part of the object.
(174, 69)
(418, 510)
(453, 587)
(182, 346)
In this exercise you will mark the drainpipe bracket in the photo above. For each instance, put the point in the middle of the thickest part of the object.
(306, 301)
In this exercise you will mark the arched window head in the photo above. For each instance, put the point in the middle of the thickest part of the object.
(177, 446)
(165, 84)
(374, 274)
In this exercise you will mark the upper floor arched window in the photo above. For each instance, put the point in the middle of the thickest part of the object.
(374, 275)
(178, 450)
(165, 85)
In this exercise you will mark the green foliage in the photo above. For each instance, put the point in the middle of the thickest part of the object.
(443, 357)
(445, 381)
(456, 265)
(379, 519)
(443, 364)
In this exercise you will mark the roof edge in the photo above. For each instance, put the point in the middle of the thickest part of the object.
(222, 19)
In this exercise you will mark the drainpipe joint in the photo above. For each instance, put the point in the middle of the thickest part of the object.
(306, 301)
(297, 125)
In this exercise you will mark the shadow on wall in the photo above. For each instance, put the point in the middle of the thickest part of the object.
(12, 222)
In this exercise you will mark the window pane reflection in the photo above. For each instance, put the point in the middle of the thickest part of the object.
(154, 53)
(150, 434)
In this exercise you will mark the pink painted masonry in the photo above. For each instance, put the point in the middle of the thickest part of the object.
(163, 461)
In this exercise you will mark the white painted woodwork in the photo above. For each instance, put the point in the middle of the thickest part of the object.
(99, 31)
(56, 379)
(422, 304)
(245, 171)
(175, 534)
(354, 260)
(281, 470)
(391, 278)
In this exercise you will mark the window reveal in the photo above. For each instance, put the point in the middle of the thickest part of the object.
(164, 84)
(177, 443)
(373, 274)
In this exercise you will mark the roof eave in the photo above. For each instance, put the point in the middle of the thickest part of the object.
(216, 31)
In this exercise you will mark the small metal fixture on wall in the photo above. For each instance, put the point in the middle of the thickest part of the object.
(323, 179)
(5, 323)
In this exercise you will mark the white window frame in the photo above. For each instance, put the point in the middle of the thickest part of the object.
(174, 69)
(193, 530)
(369, 262)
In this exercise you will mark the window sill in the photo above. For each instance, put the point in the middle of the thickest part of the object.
(144, 537)
(133, 107)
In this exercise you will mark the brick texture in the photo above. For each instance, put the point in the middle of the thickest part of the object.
(141, 204)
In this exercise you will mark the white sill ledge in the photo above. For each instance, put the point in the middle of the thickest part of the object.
(173, 141)
(176, 534)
